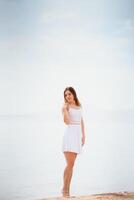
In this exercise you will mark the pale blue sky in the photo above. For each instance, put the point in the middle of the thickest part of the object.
(47, 45)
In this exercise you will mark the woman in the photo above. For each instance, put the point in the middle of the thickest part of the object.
(74, 136)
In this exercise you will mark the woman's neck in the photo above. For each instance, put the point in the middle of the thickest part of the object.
(72, 104)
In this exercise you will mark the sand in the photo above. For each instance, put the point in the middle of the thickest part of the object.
(104, 196)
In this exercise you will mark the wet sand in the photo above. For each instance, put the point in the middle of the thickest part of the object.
(103, 196)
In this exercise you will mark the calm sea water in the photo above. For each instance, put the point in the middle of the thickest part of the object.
(32, 164)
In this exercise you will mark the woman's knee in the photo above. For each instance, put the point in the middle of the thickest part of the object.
(70, 165)
(70, 158)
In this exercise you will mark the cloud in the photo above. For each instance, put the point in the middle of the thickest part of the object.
(49, 17)
(126, 27)
(123, 40)
(86, 50)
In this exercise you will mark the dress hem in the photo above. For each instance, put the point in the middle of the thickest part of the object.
(71, 151)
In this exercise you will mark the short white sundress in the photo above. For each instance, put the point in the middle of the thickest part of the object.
(72, 139)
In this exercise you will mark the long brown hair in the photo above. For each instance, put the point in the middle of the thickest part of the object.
(72, 90)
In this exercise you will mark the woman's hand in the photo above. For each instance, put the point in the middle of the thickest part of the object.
(65, 107)
(65, 113)
(83, 140)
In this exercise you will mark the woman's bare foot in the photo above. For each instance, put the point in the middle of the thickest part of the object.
(65, 193)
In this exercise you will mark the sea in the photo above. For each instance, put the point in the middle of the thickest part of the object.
(32, 162)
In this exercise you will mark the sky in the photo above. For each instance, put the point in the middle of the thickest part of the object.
(48, 45)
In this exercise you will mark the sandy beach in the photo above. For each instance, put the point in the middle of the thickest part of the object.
(104, 196)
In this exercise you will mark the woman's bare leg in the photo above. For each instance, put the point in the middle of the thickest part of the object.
(70, 159)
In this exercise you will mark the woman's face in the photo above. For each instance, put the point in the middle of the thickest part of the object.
(69, 96)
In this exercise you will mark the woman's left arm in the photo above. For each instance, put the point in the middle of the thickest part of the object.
(83, 131)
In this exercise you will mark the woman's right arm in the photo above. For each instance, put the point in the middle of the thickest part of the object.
(65, 114)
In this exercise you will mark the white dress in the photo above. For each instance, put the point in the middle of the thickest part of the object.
(72, 139)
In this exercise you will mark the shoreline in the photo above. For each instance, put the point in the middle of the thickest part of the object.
(102, 196)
